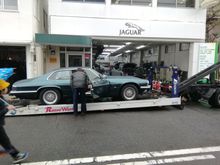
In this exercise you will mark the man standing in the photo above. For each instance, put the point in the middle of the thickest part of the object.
(4, 139)
(79, 83)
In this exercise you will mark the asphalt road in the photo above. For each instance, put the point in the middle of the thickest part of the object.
(64, 136)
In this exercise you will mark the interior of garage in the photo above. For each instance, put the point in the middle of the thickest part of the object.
(143, 54)
(14, 57)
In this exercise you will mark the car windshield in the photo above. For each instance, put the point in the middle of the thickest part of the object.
(93, 75)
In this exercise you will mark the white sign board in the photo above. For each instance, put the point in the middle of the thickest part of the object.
(207, 55)
(97, 27)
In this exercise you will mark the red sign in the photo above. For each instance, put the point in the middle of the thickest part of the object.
(61, 109)
(87, 56)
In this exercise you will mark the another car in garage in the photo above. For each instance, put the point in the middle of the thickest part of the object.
(53, 87)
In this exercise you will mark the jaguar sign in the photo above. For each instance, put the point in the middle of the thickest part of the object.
(131, 30)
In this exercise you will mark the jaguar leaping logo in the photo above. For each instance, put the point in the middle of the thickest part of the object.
(131, 25)
(131, 30)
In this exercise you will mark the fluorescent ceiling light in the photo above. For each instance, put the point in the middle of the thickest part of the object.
(141, 46)
(104, 54)
(127, 43)
(112, 46)
(118, 55)
(108, 50)
(128, 51)
(120, 47)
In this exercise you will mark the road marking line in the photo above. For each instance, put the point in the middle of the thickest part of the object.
(185, 151)
(170, 160)
(100, 159)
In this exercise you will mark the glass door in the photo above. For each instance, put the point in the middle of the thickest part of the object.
(74, 60)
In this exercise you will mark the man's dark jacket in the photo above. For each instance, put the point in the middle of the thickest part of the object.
(3, 111)
(79, 79)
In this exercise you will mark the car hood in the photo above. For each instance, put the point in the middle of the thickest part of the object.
(27, 82)
(126, 79)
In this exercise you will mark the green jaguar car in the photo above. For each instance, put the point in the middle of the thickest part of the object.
(54, 87)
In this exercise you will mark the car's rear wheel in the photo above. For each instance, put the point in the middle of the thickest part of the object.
(129, 92)
(50, 96)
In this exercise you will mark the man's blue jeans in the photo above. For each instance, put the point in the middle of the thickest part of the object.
(79, 94)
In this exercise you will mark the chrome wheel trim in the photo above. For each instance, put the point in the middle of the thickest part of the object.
(50, 97)
(129, 93)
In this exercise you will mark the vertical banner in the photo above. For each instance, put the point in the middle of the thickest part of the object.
(208, 55)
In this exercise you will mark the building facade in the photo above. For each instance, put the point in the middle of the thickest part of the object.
(20, 20)
(66, 33)
(100, 23)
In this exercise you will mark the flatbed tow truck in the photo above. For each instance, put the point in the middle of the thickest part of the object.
(176, 98)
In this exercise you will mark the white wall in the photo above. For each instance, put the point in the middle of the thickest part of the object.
(136, 57)
(151, 57)
(175, 56)
(19, 28)
(193, 59)
(16, 26)
(38, 27)
(105, 20)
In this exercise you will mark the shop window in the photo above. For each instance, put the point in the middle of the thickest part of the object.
(166, 3)
(133, 2)
(185, 3)
(93, 1)
(62, 60)
(45, 20)
(87, 50)
(9, 4)
(62, 48)
(101, 1)
(183, 46)
(74, 49)
(176, 3)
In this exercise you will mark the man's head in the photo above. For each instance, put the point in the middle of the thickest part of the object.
(4, 86)
(80, 69)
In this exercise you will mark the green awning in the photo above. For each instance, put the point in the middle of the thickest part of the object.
(55, 39)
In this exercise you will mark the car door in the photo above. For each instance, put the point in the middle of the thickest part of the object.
(99, 83)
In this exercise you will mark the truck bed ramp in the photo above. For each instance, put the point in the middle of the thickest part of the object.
(186, 83)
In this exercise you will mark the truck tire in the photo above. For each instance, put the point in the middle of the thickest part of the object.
(217, 98)
(195, 96)
(211, 101)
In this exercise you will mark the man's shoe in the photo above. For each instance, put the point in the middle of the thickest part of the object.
(20, 157)
(83, 113)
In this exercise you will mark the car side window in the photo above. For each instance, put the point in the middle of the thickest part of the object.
(61, 75)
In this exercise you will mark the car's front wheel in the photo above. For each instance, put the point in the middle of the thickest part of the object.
(50, 96)
(129, 92)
